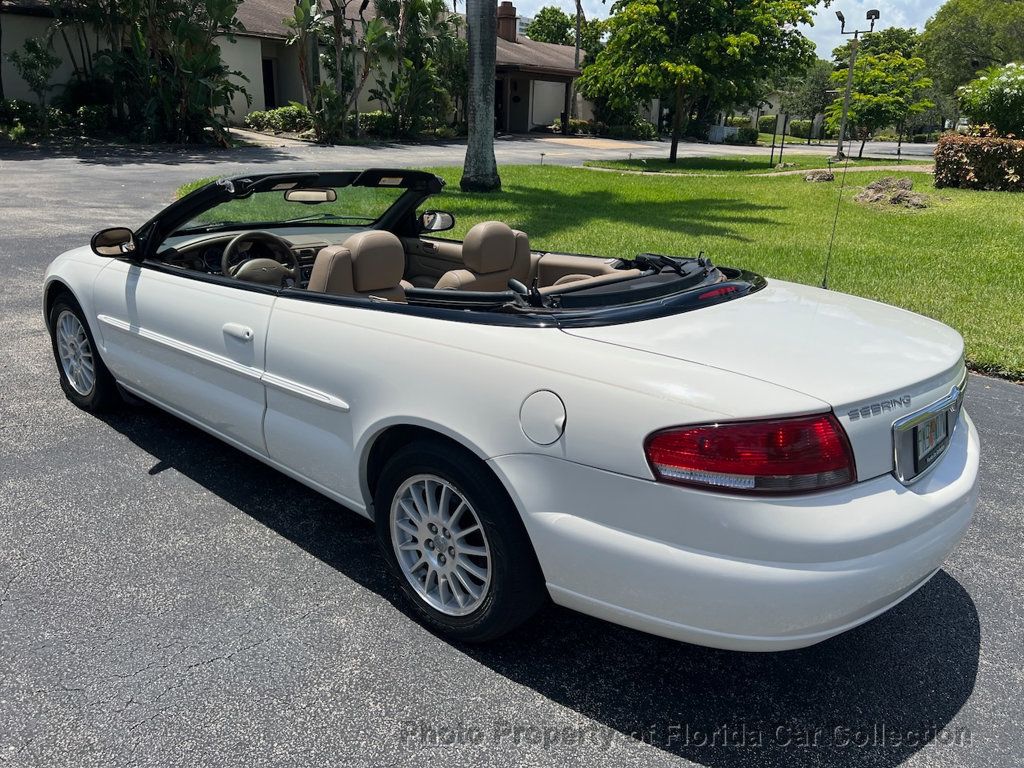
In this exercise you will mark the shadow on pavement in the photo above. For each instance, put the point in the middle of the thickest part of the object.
(871, 697)
(138, 154)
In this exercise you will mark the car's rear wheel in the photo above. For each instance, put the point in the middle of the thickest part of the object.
(83, 376)
(455, 541)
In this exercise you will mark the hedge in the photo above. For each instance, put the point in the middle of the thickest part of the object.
(294, 118)
(738, 121)
(800, 129)
(744, 136)
(766, 123)
(973, 162)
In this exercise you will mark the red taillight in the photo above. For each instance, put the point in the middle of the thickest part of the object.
(781, 456)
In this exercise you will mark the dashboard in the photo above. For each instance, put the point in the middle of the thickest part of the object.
(204, 253)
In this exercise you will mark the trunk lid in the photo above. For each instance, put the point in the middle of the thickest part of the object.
(851, 353)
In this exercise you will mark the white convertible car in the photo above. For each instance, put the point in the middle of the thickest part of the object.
(690, 450)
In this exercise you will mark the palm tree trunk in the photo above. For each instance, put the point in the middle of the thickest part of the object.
(480, 172)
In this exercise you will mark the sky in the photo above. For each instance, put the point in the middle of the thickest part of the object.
(825, 32)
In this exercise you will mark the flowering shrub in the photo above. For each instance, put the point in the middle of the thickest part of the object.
(997, 98)
(976, 162)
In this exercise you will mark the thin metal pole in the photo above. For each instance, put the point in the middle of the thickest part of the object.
(849, 90)
(782, 147)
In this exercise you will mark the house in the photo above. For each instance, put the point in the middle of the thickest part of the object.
(533, 78)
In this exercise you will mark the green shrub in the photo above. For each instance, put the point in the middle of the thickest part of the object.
(256, 120)
(92, 119)
(376, 123)
(18, 133)
(576, 126)
(639, 130)
(997, 99)
(801, 129)
(744, 136)
(975, 162)
(766, 123)
(738, 121)
(19, 112)
(919, 138)
(294, 118)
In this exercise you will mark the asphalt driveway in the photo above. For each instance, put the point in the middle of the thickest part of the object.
(167, 601)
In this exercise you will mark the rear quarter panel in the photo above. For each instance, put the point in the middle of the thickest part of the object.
(469, 380)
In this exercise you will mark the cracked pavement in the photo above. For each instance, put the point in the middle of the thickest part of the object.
(167, 601)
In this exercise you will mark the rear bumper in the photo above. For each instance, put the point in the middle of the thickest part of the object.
(735, 572)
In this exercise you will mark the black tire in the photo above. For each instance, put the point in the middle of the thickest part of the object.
(516, 588)
(104, 395)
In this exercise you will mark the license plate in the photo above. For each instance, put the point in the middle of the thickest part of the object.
(929, 440)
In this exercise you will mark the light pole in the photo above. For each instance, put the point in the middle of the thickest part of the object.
(873, 16)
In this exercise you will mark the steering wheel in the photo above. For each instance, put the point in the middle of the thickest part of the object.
(261, 270)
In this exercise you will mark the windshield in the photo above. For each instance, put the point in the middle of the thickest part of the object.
(349, 206)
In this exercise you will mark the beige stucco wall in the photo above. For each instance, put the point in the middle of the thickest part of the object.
(243, 54)
(18, 29)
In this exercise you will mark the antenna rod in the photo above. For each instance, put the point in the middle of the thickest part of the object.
(835, 220)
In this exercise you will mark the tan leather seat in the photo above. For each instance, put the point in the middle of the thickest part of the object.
(493, 253)
(367, 264)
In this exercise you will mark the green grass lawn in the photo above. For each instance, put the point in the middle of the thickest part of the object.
(958, 261)
(746, 164)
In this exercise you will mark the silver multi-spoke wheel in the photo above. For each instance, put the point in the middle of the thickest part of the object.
(75, 352)
(440, 545)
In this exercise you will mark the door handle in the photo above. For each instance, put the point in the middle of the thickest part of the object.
(238, 331)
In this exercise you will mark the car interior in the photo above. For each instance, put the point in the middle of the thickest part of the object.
(365, 240)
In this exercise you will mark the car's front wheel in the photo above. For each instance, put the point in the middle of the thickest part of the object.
(83, 376)
(456, 543)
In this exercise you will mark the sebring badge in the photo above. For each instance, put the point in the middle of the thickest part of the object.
(876, 409)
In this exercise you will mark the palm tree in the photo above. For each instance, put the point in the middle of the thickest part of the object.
(480, 172)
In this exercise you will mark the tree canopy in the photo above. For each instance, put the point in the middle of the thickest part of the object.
(889, 40)
(810, 96)
(692, 50)
(966, 36)
(552, 25)
(887, 89)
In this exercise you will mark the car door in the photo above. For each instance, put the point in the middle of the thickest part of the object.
(319, 361)
(429, 258)
(192, 342)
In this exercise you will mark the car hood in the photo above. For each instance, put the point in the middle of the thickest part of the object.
(838, 348)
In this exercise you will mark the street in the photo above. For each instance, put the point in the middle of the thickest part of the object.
(167, 601)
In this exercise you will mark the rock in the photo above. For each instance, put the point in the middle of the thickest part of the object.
(822, 175)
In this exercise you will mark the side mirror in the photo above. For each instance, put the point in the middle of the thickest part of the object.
(436, 221)
(116, 241)
(311, 195)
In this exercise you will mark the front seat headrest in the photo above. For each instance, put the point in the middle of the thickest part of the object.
(378, 261)
(489, 247)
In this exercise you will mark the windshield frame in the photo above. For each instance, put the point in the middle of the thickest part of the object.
(418, 186)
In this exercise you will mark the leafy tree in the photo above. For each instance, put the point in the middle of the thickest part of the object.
(810, 96)
(426, 35)
(552, 25)
(35, 63)
(166, 58)
(997, 99)
(889, 40)
(480, 170)
(966, 36)
(698, 52)
(887, 90)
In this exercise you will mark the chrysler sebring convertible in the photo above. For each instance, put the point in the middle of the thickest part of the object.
(687, 449)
